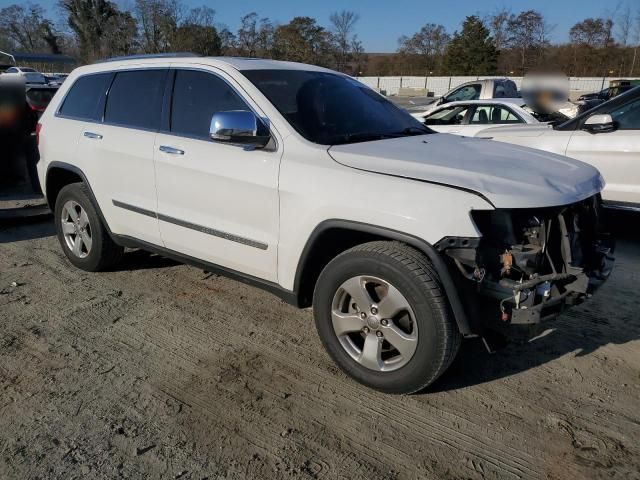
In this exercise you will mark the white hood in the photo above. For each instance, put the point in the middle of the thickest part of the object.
(509, 176)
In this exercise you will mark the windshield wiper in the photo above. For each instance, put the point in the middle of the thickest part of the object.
(414, 131)
(364, 136)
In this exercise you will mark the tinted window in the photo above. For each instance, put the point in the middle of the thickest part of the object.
(627, 117)
(196, 97)
(12, 70)
(135, 99)
(328, 108)
(85, 95)
(447, 116)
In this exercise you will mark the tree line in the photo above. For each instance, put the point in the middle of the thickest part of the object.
(505, 42)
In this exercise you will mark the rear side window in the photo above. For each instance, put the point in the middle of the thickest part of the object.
(196, 97)
(85, 96)
(135, 99)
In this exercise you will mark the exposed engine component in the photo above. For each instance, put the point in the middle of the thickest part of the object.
(535, 262)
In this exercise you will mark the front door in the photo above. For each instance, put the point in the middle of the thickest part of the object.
(216, 202)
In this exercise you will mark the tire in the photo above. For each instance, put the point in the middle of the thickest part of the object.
(97, 250)
(396, 277)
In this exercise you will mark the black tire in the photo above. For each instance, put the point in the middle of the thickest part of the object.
(104, 252)
(413, 275)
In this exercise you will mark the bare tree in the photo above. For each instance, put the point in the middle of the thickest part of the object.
(429, 42)
(255, 36)
(624, 23)
(343, 24)
(158, 21)
(528, 34)
(498, 25)
(26, 28)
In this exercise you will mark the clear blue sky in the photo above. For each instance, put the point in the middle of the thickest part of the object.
(383, 21)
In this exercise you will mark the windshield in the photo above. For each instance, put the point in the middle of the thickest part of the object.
(330, 109)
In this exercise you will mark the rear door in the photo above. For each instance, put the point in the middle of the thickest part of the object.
(616, 154)
(116, 153)
(81, 105)
(216, 202)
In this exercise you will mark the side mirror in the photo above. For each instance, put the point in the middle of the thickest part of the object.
(441, 100)
(238, 127)
(599, 123)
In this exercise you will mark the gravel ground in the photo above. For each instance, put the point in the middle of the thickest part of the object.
(159, 370)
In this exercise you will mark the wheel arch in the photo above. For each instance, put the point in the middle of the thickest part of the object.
(61, 174)
(332, 237)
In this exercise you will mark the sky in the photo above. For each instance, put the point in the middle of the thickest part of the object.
(382, 22)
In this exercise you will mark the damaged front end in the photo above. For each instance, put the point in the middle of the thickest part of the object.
(530, 264)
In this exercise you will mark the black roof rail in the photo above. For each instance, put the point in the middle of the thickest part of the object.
(150, 55)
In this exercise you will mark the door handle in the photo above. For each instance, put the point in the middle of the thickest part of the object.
(171, 150)
(93, 136)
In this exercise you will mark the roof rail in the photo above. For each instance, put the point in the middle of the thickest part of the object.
(150, 55)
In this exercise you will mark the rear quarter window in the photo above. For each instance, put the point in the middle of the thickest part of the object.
(85, 96)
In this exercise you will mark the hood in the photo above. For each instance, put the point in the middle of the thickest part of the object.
(507, 175)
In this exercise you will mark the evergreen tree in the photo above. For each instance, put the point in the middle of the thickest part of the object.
(472, 51)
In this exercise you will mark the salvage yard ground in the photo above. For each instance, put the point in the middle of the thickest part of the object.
(159, 370)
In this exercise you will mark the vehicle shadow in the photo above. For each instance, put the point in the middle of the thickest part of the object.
(17, 227)
(21, 228)
(142, 260)
(610, 317)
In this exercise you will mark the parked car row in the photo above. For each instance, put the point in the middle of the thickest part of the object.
(32, 76)
(607, 137)
(309, 184)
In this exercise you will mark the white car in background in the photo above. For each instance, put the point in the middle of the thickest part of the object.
(28, 74)
(471, 116)
(607, 137)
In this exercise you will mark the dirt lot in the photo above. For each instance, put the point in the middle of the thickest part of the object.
(159, 370)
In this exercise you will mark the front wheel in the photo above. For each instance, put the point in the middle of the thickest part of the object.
(383, 317)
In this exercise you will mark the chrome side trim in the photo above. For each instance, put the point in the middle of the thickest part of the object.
(212, 231)
(192, 226)
(133, 208)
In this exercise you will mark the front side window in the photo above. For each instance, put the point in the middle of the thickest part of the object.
(492, 114)
(329, 108)
(197, 96)
(135, 99)
(447, 116)
(468, 92)
(84, 97)
(627, 117)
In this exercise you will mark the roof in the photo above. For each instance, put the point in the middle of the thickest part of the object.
(239, 63)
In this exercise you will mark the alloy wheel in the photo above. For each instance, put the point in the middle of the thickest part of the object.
(76, 229)
(374, 323)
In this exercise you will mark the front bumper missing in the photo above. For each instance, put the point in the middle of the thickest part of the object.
(532, 263)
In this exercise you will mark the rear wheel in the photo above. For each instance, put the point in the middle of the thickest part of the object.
(383, 317)
(84, 239)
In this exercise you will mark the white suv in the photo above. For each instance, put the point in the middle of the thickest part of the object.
(307, 183)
